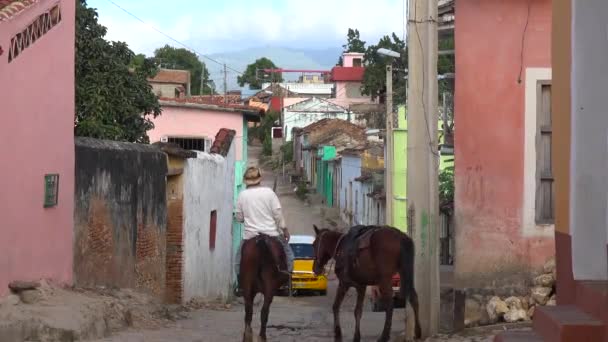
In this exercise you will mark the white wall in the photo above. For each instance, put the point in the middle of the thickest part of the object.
(209, 185)
(303, 119)
(589, 163)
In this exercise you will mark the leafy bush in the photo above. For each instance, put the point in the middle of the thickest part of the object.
(287, 150)
(446, 185)
(267, 146)
(302, 190)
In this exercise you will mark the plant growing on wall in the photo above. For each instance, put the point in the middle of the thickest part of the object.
(113, 100)
(446, 189)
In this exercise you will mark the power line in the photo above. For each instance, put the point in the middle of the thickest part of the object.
(171, 38)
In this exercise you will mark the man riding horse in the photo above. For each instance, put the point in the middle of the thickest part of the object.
(259, 209)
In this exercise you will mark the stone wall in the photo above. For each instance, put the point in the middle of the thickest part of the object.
(120, 215)
(493, 305)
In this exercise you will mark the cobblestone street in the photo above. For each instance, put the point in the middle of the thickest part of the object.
(301, 318)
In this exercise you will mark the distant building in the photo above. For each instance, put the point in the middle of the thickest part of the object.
(311, 79)
(171, 83)
(320, 90)
(348, 80)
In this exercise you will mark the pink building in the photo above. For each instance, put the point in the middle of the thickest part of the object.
(37, 174)
(504, 178)
(192, 124)
(348, 80)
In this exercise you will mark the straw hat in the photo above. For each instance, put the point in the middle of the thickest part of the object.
(253, 176)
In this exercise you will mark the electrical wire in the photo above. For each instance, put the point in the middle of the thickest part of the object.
(523, 43)
(171, 38)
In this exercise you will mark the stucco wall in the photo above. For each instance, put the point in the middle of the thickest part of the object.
(120, 215)
(37, 129)
(589, 191)
(208, 185)
(164, 89)
(349, 188)
(491, 247)
(189, 122)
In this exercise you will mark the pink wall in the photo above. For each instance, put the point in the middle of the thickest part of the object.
(181, 121)
(344, 101)
(348, 58)
(490, 138)
(37, 133)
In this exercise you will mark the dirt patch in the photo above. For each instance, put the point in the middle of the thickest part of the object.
(62, 314)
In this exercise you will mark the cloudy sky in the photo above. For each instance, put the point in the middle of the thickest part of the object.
(215, 26)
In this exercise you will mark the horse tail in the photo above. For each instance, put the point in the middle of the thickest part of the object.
(406, 273)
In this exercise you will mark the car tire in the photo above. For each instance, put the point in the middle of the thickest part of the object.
(323, 293)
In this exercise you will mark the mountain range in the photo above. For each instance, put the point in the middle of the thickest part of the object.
(287, 58)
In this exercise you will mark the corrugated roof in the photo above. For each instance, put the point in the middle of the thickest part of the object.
(347, 74)
(171, 76)
(10, 8)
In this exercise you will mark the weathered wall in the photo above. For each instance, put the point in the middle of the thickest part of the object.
(37, 132)
(491, 247)
(120, 215)
(208, 186)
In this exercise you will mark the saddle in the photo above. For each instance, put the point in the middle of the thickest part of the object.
(357, 238)
(278, 255)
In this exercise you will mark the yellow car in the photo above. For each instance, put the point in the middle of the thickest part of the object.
(303, 278)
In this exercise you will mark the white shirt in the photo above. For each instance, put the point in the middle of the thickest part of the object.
(260, 211)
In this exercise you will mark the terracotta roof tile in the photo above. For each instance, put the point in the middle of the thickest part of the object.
(171, 76)
(217, 99)
(10, 8)
(223, 141)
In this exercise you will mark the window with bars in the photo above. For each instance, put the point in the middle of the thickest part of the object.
(197, 144)
(545, 187)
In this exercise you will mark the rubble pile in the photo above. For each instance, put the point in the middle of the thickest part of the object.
(486, 310)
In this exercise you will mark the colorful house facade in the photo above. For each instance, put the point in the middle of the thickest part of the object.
(504, 180)
(348, 80)
(37, 177)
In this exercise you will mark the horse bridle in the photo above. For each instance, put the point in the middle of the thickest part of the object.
(333, 257)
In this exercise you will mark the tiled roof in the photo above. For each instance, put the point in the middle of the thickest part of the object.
(223, 141)
(347, 74)
(171, 76)
(251, 113)
(9, 8)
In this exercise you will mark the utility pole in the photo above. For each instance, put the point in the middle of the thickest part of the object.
(388, 161)
(422, 155)
(203, 82)
(225, 84)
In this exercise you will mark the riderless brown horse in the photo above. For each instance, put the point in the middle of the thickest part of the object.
(371, 257)
(259, 273)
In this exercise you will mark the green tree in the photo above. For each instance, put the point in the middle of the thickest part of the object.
(374, 79)
(255, 77)
(113, 100)
(169, 57)
(353, 44)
